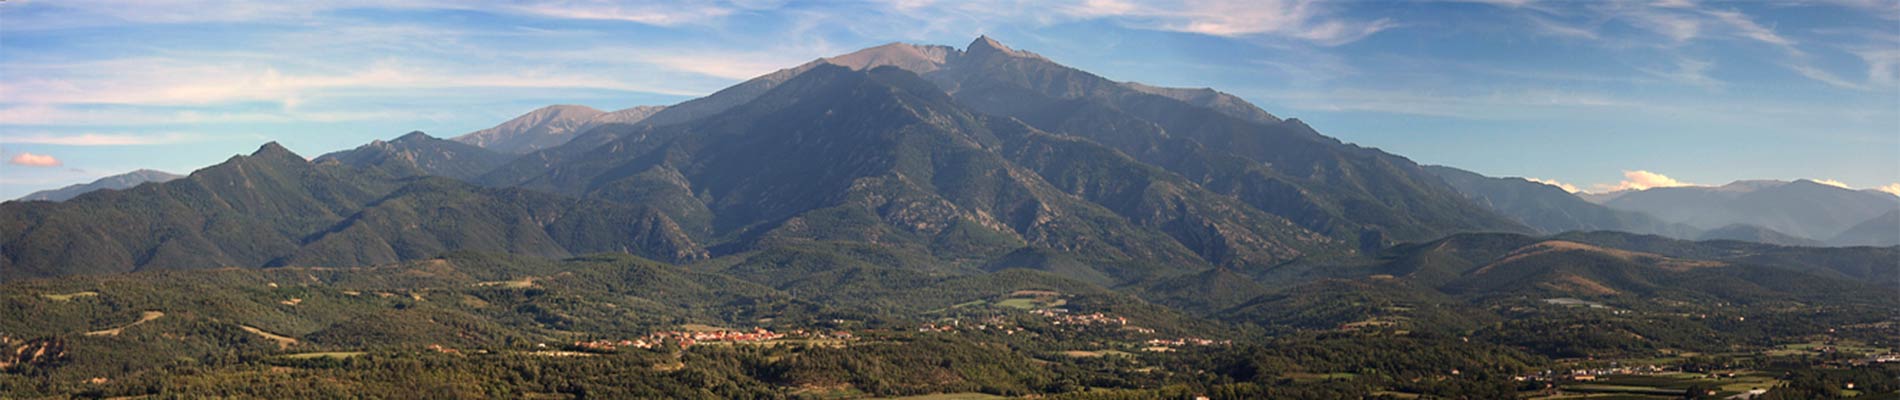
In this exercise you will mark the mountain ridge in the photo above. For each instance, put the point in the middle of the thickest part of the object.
(114, 182)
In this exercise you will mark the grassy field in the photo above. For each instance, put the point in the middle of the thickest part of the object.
(325, 354)
(1018, 303)
(1310, 377)
(1605, 388)
(282, 341)
(147, 316)
(1815, 347)
(1096, 353)
(1672, 384)
(69, 296)
(523, 283)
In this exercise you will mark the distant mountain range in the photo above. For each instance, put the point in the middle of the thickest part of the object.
(1800, 209)
(1550, 209)
(984, 157)
(115, 182)
(1799, 213)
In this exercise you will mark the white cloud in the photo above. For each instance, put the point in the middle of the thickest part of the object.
(34, 160)
(1891, 188)
(1831, 182)
(1560, 185)
(1642, 180)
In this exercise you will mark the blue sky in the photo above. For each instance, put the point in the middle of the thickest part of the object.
(1598, 95)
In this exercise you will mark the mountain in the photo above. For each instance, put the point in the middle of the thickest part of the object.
(1801, 208)
(273, 207)
(877, 156)
(246, 211)
(1550, 209)
(1276, 168)
(115, 182)
(1757, 234)
(1883, 230)
(416, 154)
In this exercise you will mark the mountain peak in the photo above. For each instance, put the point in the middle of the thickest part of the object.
(273, 149)
(984, 46)
(413, 136)
(984, 41)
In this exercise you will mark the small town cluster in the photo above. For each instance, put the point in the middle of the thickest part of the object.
(691, 338)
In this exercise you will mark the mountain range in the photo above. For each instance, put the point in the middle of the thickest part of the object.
(1801, 209)
(927, 220)
(1799, 213)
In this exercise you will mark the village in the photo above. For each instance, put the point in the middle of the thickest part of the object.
(690, 338)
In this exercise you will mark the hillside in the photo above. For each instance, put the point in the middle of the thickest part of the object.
(115, 182)
(1883, 230)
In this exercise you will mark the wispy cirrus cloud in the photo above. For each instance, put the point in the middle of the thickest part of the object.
(1680, 23)
(83, 13)
(98, 139)
(1306, 20)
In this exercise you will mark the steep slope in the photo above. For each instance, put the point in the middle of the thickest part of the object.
(1801, 208)
(1550, 209)
(115, 182)
(539, 129)
(1284, 168)
(1212, 99)
(433, 216)
(416, 154)
(1271, 169)
(1883, 230)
